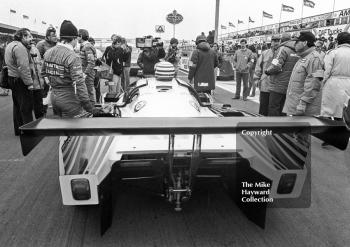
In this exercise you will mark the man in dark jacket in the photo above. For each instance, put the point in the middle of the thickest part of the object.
(17, 59)
(147, 59)
(280, 71)
(202, 64)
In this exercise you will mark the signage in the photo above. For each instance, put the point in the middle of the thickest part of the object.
(160, 29)
(174, 18)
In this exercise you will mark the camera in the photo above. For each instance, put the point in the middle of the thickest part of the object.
(148, 42)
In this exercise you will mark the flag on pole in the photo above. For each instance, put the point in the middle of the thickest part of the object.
(223, 27)
(231, 24)
(12, 11)
(309, 3)
(25, 17)
(239, 21)
(43, 22)
(287, 8)
(250, 20)
(267, 15)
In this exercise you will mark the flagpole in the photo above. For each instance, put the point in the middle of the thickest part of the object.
(301, 20)
(262, 20)
(279, 22)
(333, 6)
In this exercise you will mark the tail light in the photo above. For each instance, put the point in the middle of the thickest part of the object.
(80, 189)
(286, 183)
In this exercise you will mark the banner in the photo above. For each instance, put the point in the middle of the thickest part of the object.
(287, 8)
(25, 17)
(12, 11)
(231, 24)
(250, 20)
(267, 15)
(239, 22)
(223, 27)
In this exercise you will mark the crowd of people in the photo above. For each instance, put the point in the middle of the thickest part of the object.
(295, 75)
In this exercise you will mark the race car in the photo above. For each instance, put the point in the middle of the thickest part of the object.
(166, 133)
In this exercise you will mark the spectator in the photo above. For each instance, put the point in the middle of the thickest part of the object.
(117, 55)
(69, 93)
(20, 79)
(97, 74)
(49, 41)
(202, 63)
(319, 48)
(108, 48)
(242, 62)
(280, 70)
(3, 91)
(263, 63)
(88, 60)
(127, 64)
(305, 85)
(220, 59)
(336, 91)
(173, 55)
(35, 66)
(252, 86)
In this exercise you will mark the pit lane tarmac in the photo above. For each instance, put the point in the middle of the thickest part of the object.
(32, 214)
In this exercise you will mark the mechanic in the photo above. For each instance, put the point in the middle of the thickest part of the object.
(280, 71)
(305, 86)
(126, 65)
(202, 63)
(88, 60)
(43, 45)
(62, 67)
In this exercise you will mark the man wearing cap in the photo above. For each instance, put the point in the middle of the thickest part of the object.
(263, 63)
(202, 63)
(305, 86)
(88, 60)
(279, 71)
(62, 66)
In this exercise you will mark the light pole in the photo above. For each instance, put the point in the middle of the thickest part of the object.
(216, 20)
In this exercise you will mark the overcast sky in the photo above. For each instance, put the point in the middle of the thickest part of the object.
(134, 18)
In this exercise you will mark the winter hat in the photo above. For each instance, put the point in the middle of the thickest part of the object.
(200, 38)
(49, 30)
(68, 30)
(164, 71)
(84, 34)
(343, 38)
(174, 41)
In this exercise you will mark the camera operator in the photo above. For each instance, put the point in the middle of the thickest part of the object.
(150, 56)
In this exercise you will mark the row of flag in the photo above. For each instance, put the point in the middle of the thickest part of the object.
(26, 17)
(286, 8)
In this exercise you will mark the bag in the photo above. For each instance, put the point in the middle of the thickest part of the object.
(4, 78)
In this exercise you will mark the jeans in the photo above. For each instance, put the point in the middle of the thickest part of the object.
(39, 110)
(22, 99)
(276, 103)
(239, 77)
(251, 83)
(89, 81)
(264, 103)
(126, 78)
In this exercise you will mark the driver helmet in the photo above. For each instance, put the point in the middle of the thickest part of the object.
(164, 71)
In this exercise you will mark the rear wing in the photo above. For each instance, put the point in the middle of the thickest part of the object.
(335, 133)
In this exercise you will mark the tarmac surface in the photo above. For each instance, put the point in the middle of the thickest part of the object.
(32, 214)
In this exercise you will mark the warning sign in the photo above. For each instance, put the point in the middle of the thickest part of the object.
(160, 29)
